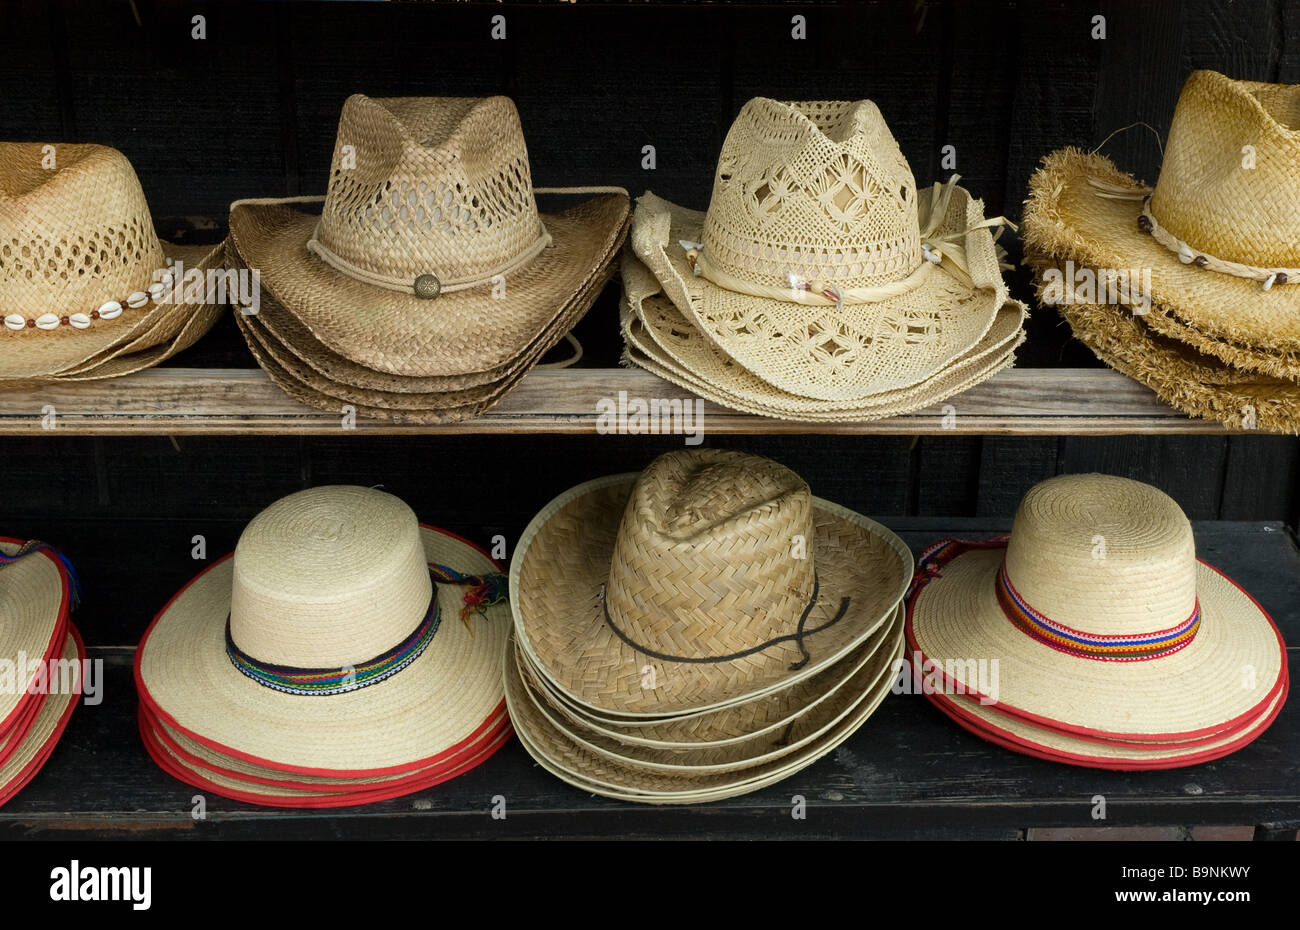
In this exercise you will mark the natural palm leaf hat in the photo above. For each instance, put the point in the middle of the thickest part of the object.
(1103, 622)
(820, 266)
(89, 288)
(1219, 232)
(429, 256)
(341, 639)
(706, 580)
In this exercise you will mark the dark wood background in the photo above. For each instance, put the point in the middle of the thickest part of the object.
(251, 111)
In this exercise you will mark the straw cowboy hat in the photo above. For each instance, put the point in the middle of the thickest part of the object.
(1105, 626)
(36, 594)
(342, 639)
(717, 571)
(429, 257)
(90, 290)
(1219, 232)
(820, 267)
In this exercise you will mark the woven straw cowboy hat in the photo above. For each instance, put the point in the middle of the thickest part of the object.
(1094, 607)
(819, 266)
(1219, 232)
(718, 571)
(90, 290)
(338, 640)
(429, 257)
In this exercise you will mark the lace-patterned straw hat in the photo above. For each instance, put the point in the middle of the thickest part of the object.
(719, 570)
(430, 256)
(336, 641)
(1104, 624)
(819, 266)
(1220, 231)
(86, 281)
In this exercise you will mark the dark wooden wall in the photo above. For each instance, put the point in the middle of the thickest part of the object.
(251, 111)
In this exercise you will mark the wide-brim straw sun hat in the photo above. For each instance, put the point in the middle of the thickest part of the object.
(430, 256)
(25, 754)
(710, 578)
(89, 287)
(820, 266)
(1219, 232)
(659, 339)
(35, 598)
(337, 640)
(1101, 619)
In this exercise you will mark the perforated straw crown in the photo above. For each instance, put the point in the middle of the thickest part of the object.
(75, 230)
(327, 578)
(714, 555)
(820, 190)
(429, 186)
(1230, 180)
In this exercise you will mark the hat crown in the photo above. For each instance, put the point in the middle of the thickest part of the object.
(816, 189)
(75, 229)
(714, 554)
(1103, 555)
(1217, 195)
(430, 185)
(328, 578)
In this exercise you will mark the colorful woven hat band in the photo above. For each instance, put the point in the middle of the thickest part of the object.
(1128, 647)
(483, 592)
(35, 545)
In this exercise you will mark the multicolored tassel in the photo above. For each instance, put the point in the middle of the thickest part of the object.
(35, 545)
(484, 591)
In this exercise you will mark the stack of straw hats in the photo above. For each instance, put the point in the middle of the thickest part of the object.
(429, 283)
(700, 630)
(42, 658)
(345, 653)
(89, 289)
(1104, 641)
(822, 284)
(1218, 335)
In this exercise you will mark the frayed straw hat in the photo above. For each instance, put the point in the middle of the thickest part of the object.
(1220, 231)
(1104, 624)
(718, 570)
(820, 267)
(90, 290)
(429, 258)
(322, 647)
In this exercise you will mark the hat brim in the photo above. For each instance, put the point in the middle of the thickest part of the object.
(1227, 675)
(563, 559)
(595, 774)
(458, 333)
(21, 765)
(39, 356)
(34, 603)
(416, 718)
(828, 353)
(1066, 219)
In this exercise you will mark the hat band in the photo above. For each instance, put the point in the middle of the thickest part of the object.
(797, 637)
(483, 592)
(156, 293)
(1132, 647)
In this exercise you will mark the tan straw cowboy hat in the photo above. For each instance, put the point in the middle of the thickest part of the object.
(342, 639)
(1105, 627)
(820, 268)
(709, 579)
(429, 257)
(90, 290)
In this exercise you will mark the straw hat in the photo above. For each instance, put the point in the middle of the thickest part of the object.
(1220, 232)
(820, 267)
(322, 647)
(1103, 622)
(86, 279)
(709, 578)
(430, 257)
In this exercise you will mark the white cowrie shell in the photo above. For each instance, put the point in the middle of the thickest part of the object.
(79, 320)
(47, 321)
(138, 299)
(156, 291)
(1268, 284)
(110, 310)
(14, 321)
(1185, 254)
(167, 277)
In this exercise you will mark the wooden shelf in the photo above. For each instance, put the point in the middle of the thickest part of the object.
(220, 401)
